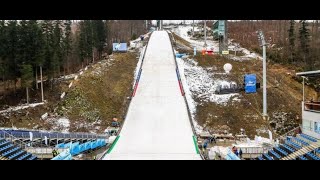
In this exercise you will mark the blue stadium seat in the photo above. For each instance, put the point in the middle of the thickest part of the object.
(267, 156)
(260, 158)
(274, 154)
(24, 156)
(293, 144)
(16, 154)
(10, 151)
(314, 157)
(302, 158)
(308, 137)
(280, 151)
(32, 157)
(5, 148)
(3, 143)
(288, 148)
(301, 141)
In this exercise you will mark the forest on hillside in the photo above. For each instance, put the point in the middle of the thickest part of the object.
(58, 47)
(291, 42)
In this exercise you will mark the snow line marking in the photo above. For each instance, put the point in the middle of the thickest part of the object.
(195, 144)
(137, 83)
(113, 144)
(179, 81)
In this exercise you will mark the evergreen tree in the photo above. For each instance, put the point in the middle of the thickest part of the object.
(3, 62)
(57, 49)
(100, 36)
(67, 42)
(11, 47)
(26, 78)
(291, 40)
(47, 27)
(304, 42)
(82, 42)
(37, 45)
(88, 30)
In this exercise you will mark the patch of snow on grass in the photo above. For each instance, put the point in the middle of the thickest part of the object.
(16, 108)
(182, 31)
(202, 83)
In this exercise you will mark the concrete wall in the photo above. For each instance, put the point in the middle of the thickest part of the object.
(308, 122)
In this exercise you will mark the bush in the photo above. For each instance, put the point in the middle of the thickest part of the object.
(134, 36)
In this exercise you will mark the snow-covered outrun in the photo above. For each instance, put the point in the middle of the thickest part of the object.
(157, 125)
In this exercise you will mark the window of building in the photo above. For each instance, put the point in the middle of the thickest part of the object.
(317, 127)
(306, 124)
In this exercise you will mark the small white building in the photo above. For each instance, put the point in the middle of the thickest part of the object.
(310, 109)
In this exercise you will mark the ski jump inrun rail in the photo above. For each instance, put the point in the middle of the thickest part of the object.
(157, 124)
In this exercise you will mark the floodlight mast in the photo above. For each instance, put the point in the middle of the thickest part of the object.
(263, 44)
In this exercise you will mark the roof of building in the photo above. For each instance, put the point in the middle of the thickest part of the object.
(309, 73)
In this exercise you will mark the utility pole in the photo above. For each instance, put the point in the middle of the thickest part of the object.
(205, 34)
(42, 98)
(263, 44)
(192, 27)
(92, 42)
(225, 36)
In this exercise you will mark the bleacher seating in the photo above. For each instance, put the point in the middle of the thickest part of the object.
(25, 156)
(287, 148)
(274, 154)
(9, 151)
(302, 158)
(16, 154)
(302, 147)
(280, 151)
(267, 156)
(33, 157)
(308, 137)
(302, 142)
(293, 144)
(76, 148)
(312, 156)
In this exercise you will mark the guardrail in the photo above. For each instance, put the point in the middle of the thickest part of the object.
(50, 135)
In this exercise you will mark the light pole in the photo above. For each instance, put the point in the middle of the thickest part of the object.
(192, 27)
(205, 34)
(263, 44)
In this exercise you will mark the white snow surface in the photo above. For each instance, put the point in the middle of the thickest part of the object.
(64, 122)
(157, 124)
(16, 108)
(61, 124)
(202, 83)
(182, 31)
(136, 71)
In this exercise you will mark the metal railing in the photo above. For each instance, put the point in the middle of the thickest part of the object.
(51, 135)
(15, 141)
(282, 138)
(312, 106)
